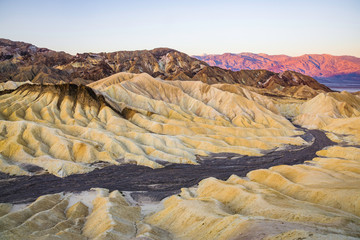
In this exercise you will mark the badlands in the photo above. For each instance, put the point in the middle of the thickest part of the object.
(136, 118)
(133, 156)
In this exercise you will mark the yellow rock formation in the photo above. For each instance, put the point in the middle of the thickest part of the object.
(316, 200)
(111, 218)
(338, 113)
(51, 217)
(5, 208)
(301, 234)
(231, 209)
(12, 85)
(140, 120)
(319, 199)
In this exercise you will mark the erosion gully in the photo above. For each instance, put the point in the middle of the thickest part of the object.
(156, 184)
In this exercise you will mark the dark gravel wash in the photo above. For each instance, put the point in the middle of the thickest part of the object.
(157, 183)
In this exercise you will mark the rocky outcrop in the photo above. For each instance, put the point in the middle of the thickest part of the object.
(25, 62)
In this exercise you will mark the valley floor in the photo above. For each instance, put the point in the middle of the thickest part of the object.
(157, 184)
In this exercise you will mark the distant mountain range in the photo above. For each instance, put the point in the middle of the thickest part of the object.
(328, 69)
(21, 62)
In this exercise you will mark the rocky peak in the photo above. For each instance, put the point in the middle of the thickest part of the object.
(164, 63)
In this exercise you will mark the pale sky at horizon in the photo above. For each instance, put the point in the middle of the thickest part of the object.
(195, 27)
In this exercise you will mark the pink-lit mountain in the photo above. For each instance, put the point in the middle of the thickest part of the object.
(324, 67)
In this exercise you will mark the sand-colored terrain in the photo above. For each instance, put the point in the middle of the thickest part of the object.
(100, 215)
(133, 118)
(317, 200)
(336, 113)
(9, 85)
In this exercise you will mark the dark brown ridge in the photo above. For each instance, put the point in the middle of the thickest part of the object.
(78, 94)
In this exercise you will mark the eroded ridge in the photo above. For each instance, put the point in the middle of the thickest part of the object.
(159, 183)
(133, 118)
(317, 200)
(59, 216)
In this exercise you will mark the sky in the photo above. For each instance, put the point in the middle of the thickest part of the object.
(195, 27)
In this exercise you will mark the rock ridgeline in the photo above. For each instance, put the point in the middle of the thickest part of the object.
(324, 67)
(25, 62)
(133, 118)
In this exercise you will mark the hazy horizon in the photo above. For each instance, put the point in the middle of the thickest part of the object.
(203, 54)
(292, 28)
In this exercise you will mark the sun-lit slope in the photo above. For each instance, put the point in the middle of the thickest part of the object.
(242, 109)
(199, 110)
(217, 98)
(316, 200)
(11, 85)
(251, 93)
(338, 113)
(64, 128)
(332, 182)
(320, 200)
(59, 216)
(132, 118)
(113, 79)
(286, 102)
(302, 92)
